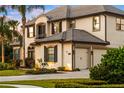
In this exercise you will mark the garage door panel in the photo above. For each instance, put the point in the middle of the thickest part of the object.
(81, 56)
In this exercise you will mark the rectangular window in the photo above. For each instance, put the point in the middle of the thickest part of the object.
(41, 28)
(72, 24)
(30, 32)
(120, 24)
(56, 27)
(96, 23)
(50, 54)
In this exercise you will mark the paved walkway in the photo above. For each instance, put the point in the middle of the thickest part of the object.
(65, 75)
(20, 86)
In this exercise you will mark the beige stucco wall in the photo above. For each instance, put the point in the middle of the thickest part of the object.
(116, 38)
(86, 23)
(67, 56)
(39, 54)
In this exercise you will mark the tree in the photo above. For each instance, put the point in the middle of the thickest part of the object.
(111, 68)
(23, 9)
(5, 34)
(14, 24)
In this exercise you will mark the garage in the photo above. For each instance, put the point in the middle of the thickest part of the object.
(81, 58)
(97, 55)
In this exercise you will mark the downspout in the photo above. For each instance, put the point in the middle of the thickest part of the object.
(91, 55)
(73, 55)
(62, 55)
(105, 28)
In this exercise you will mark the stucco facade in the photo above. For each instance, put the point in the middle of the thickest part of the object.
(72, 55)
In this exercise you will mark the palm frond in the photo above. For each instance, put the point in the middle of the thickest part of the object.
(31, 7)
(3, 9)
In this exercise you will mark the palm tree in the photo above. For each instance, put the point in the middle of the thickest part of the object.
(23, 9)
(2, 10)
(14, 24)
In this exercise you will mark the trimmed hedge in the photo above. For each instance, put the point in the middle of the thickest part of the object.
(61, 68)
(7, 66)
(76, 85)
(79, 83)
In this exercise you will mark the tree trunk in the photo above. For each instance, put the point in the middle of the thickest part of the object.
(2, 51)
(23, 29)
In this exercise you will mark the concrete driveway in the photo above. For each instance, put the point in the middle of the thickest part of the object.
(64, 75)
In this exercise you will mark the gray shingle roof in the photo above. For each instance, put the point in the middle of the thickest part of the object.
(79, 10)
(73, 35)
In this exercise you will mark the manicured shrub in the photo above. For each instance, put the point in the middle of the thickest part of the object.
(61, 68)
(111, 67)
(7, 66)
(29, 62)
(76, 69)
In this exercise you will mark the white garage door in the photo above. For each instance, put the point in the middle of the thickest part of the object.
(97, 53)
(81, 58)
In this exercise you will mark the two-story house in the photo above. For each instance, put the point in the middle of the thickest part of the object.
(74, 36)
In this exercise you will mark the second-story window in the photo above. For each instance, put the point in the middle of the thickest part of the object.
(56, 27)
(72, 24)
(120, 24)
(96, 23)
(41, 28)
(30, 31)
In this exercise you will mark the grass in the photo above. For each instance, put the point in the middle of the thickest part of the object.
(12, 72)
(3, 86)
(52, 83)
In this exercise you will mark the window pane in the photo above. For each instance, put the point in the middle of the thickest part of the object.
(96, 26)
(51, 57)
(118, 20)
(122, 27)
(56, 27)
(31, 32)
(72, 24)
(96, 23)
(50, 50)
(96, 20)
(122, 21)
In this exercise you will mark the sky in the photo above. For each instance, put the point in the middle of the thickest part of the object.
(13, 14)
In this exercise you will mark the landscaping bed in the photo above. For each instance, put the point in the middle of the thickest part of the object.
(67, 83)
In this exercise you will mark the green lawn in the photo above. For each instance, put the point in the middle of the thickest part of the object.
(12, 72)
(3, 86)
(87, 83)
